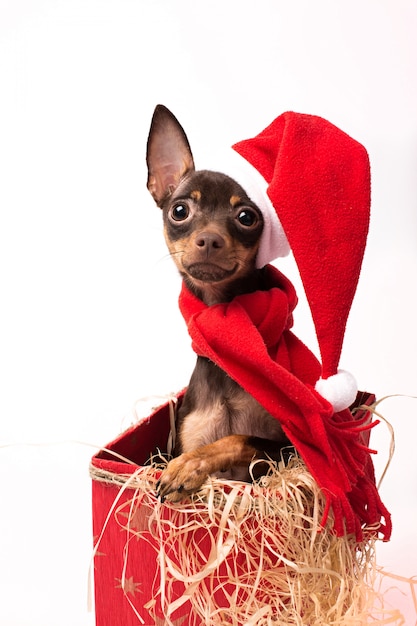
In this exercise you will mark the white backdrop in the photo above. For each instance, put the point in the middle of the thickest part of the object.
(89, 319)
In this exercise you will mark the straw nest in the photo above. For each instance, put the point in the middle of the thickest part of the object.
(253, 554)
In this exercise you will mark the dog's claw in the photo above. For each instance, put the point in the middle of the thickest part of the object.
(162, 491)
(160, 496)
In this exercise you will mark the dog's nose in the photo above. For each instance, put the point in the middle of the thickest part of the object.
(209, 241)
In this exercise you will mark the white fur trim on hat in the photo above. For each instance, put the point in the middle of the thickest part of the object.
(274, 242)
(340, 390)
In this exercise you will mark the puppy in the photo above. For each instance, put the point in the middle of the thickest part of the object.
(212, 230)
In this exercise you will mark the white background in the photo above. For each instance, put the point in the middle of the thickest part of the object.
(89, 319)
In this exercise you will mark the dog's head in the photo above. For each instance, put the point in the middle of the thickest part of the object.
(211, 226)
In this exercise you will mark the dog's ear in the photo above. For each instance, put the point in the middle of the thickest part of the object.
(168, 154)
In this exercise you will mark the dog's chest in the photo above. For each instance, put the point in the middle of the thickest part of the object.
(217, 407)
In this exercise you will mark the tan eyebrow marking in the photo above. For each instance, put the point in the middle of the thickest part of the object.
(196, 195)
(234, 200)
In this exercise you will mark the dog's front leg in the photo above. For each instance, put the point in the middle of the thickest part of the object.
(187, 473)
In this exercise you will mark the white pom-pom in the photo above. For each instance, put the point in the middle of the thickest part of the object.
(340, 390)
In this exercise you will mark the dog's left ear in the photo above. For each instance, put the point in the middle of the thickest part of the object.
(168, 154)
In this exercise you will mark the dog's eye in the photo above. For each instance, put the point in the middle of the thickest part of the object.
(180, 212)
(247, 218)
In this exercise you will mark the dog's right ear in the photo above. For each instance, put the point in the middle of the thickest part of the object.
(168, 154)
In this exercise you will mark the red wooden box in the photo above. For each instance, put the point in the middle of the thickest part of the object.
(131, 580)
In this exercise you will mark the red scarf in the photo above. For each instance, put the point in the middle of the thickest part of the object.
(250, 339)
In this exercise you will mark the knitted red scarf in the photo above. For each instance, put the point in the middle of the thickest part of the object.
(250, 339)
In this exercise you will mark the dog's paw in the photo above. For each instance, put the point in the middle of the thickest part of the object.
(183, 475)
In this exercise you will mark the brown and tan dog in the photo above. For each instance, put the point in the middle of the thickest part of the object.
(212, 230)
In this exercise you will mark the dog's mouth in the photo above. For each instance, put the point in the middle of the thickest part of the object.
(209, 272)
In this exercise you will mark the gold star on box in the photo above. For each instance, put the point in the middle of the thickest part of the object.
(136, 519)
(128, 585)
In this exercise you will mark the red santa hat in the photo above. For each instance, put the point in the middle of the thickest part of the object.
(312, 184)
